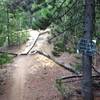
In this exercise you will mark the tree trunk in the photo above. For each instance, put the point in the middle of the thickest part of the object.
(8, 32)
(89, 26)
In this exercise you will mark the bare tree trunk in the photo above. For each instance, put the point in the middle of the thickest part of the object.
(89, 26)
(8, 33)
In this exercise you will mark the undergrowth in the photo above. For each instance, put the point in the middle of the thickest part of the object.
(4, 59)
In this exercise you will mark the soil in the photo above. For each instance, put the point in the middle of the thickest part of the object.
(33, 77)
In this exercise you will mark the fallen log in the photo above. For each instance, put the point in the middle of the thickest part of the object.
(94, 68)
(77, 76)
(30, 44)
(50, 40)
(44, 32)
(27, 51)
(51, 58)
(10, 53)
(67, 86)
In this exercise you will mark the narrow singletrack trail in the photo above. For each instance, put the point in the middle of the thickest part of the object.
(17, 91)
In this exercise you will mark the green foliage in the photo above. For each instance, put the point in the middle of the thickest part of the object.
(23, 36)
(77, 65)
(59, 45)
(65, 17)
(17, 38)
(65, 89)
(2, 39)
(11, 22)
(98, 34)
(60, 86)
(4, 58)
(69, 23)
(39, 1)
(42, 19)
(70, 50)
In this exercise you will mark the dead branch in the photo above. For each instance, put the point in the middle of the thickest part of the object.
(77, 76)
(44, 32)
(9, 53)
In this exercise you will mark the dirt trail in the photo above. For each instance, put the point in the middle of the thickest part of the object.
(17, 91)
(33, 76)
(19, 75)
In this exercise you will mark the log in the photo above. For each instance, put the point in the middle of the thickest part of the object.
(77, 76)
(9, 53)
(44, 32)
(31, 43)
(38, 33)
(94, 68)
(51, 58)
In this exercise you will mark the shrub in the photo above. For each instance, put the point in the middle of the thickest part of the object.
(5, 58)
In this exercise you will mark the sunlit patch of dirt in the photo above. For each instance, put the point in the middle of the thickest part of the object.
(41, 79)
